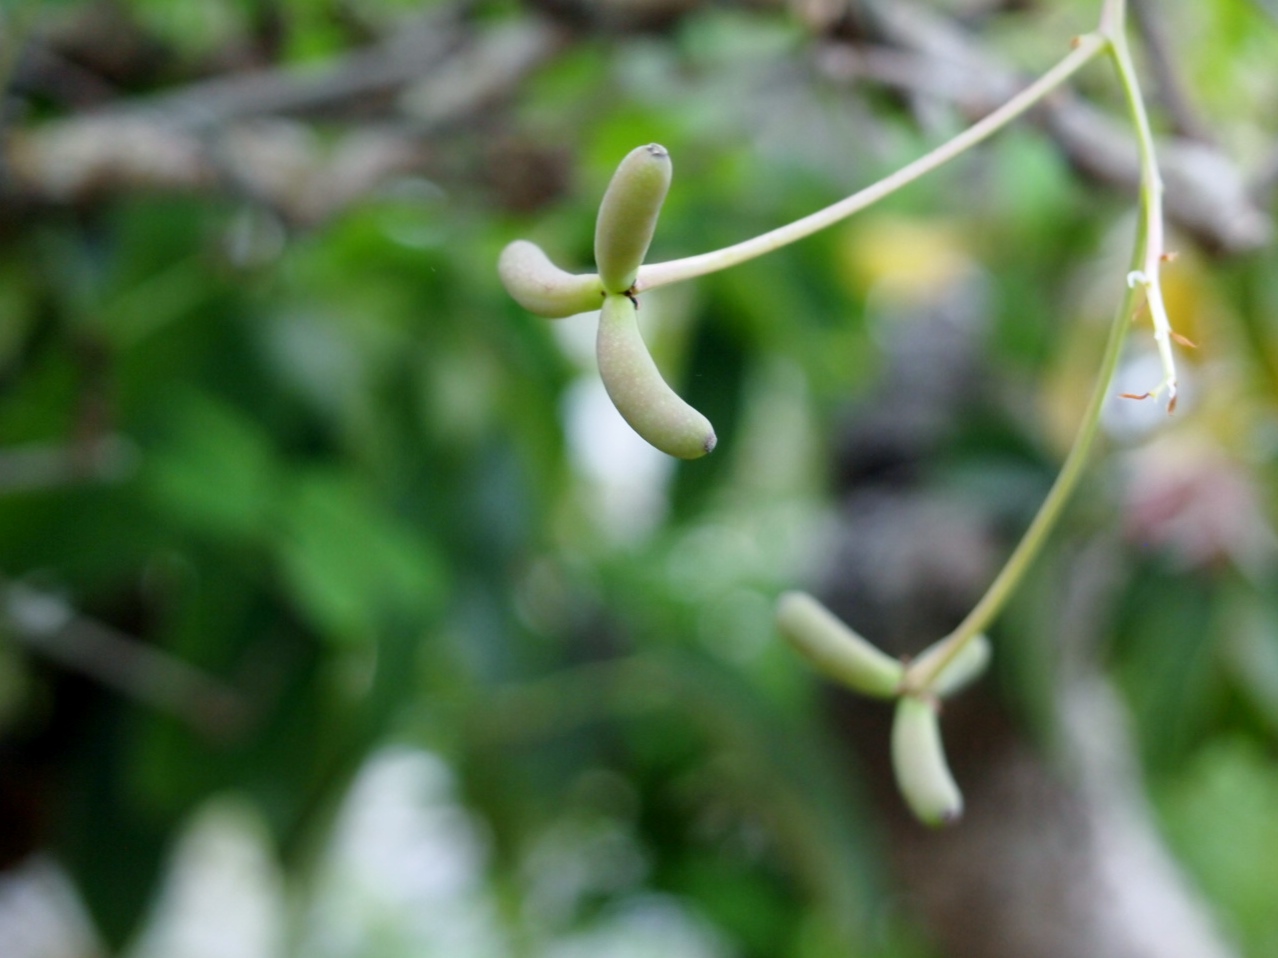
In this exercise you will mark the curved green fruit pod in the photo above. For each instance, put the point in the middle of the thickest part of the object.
(918, 760)
(628, 215)
(968, 666)
(541, 287)
(638, 391)
(835, 650)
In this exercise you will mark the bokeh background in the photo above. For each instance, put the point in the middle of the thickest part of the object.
(342, 616)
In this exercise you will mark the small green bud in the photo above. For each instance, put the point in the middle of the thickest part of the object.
(834, 649)
(964, 669)
(638, 391)
(628, 215)
(918, 759)
(541, 287)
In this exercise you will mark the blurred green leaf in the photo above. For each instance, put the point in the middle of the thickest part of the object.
(221, 475)
(1219, 813)
(348, 565)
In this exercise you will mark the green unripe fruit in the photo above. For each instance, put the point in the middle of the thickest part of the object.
(638, 391)
(541, 287)
(835, 650)
(918, 760)
(628, 215)
(963, 669)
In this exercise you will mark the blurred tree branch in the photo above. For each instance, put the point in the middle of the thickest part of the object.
(1206, 194)
(1169, 86)
(231, 132)
(46, 624)
(46, 465)
(228, 133)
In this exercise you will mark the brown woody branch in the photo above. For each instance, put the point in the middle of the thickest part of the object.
(240, 133)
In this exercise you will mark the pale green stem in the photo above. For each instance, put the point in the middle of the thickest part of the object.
(1147, 273)
(1009, 577)
(1146, 257)
(660, 274)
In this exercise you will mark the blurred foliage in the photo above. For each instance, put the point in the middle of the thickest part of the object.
(370, 495)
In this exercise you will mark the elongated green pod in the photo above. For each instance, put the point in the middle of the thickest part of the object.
(638, 391)
(918, 759)
(964, 669)
(628, 215)
(541, 287)
(835, 650)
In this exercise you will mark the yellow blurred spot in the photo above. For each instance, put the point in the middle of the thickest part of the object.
(1190, 305)
(904, 259)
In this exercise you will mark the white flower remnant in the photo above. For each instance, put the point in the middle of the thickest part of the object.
(1163, 335)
